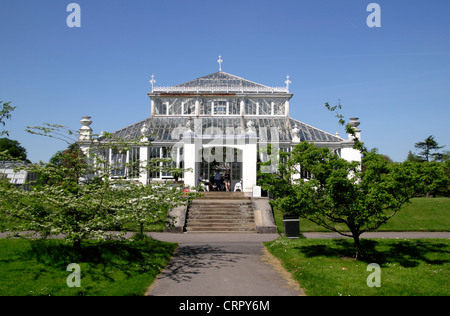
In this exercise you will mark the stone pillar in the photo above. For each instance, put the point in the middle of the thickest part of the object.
(348, 152)
(85, 137)
(152, 108)
(143, 156)
(85, 130)
(296, 141)
(354, 123)
(197, 108)
(249, 158)
(191, 147)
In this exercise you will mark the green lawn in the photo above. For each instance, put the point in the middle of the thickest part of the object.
(408, 267)
(326, 267)
(125, 268)
(421, 214)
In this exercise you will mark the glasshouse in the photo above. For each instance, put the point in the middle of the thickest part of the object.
(215, 124)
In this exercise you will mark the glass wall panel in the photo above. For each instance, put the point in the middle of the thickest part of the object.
(205, 107)
(234, 107)
(279, 107)
(174, 106)
(154, 153)
(220, 107)
(134, 162)
(250, 107)
(118, 160)
(160, 107)
(265, 106)
(189, 107)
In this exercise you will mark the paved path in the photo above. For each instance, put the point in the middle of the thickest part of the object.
(222, 265)
(236, 264)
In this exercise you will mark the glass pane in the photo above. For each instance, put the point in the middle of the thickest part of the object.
(250, 107)
(220, 107)
(160, 107)
(189, 107)
(234, 107)
(265, 107)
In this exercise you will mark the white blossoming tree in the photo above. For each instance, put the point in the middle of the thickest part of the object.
(75, 196)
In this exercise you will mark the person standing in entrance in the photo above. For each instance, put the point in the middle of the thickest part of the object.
(227, 178)
(218, 180)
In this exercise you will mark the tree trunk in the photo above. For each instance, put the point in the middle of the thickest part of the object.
(77, 249)
(142, 229)
(358, 249)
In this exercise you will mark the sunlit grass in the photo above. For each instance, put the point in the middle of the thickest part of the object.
(327, 267)
(123, 268)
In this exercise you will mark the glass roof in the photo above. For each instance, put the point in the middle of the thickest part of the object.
(221, 82)
(169, 128)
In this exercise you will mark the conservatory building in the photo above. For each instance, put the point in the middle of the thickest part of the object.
(214, 123)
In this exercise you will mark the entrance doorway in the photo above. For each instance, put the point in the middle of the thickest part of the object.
(221, 158)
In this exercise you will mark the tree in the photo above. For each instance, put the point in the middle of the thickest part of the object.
(412, 157)
(12, 150)
(427, 147)
(5, 114)
(78, 198)
(362, 198)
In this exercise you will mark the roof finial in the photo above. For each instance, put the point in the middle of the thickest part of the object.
(153, 81)
(220, 61)
(288, 82)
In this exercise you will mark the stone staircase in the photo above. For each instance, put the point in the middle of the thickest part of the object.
(221, 212)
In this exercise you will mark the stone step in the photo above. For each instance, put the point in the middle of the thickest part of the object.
(220, 201)
(223, 196)
(219, 206)
(221, 212)
(219, 223)
(220, 229)
(219, 217)
(212, 221)
(206, 207)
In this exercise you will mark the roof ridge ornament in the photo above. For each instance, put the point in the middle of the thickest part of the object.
(153, 81)
(288, 82)
(220, 61)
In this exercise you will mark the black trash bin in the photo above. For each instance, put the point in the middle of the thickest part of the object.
(291, 226)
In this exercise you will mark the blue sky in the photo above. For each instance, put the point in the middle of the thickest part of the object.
(395, 78)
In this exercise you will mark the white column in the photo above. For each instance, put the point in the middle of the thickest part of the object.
(249, 161)
(143, 156)
(349, 153)
(197, 108)
(191, 149)
(152, 109)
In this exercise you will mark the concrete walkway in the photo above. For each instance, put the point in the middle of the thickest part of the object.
(236, 264)
(223, 265)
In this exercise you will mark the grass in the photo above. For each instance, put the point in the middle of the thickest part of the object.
(326, 267)
(38, 268)
(420, 214)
